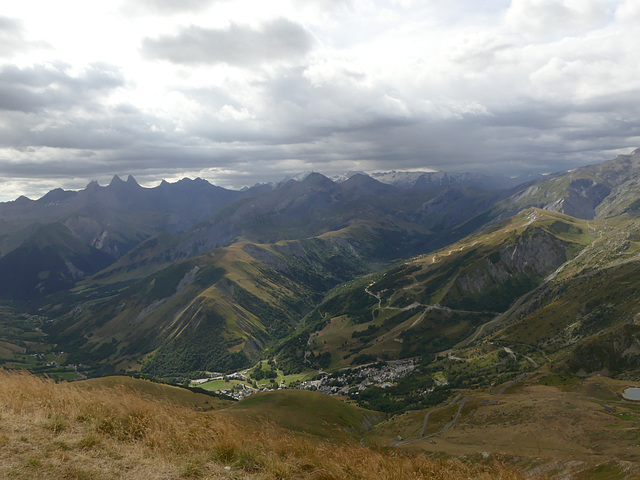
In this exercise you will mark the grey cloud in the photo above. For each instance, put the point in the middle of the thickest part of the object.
(11, 36)
(45, 106)
(35, 88)
(332, 124)
(236, 45)
(298, 124)
(293, 109)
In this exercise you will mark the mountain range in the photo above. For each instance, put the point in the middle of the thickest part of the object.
(397, 290)
(188, 277)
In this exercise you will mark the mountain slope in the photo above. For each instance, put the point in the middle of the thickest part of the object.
(212, 312)
(430, 303)
(587, 314)
(50, 260)
(597, 191)
(317, 205)
(407, 222)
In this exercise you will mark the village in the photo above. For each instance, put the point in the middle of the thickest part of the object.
(343, 382)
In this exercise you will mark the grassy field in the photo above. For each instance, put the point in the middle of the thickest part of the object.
(558, 424)
(306, 412)
(154, 391)
(58, 431)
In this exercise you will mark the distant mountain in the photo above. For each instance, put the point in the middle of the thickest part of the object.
(597, 191)
(189, 276)
(213, 312)
(434, 179)
(546, 281)
(112, 219)
(49, 260)
(316, 205)
(116, 217)
(241, 280)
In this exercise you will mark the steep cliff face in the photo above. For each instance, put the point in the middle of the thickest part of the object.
(534, 254)
(582, 198)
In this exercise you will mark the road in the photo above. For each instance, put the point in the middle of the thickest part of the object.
(451, 423)
(422, 436)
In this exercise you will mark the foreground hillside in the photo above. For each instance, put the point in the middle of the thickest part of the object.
(561, 426)
(61, 431)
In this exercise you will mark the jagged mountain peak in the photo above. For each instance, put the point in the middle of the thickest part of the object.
(364, 183)
(132, 181)
(317, 178)
(56, 195)
(116, 180)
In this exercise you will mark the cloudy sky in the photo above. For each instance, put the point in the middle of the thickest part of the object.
(242, 91)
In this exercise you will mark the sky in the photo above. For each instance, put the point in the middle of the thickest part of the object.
(246, 91)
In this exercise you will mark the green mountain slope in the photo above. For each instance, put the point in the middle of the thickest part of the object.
(244, 297)
(212, 312)
(432, 302)
(587, 315)
(307, 412)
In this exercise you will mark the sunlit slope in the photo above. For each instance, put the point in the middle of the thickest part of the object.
(546, 423)
(432, 302)
(306, 412)
(588, 313)
(212, 312)
(58, 431)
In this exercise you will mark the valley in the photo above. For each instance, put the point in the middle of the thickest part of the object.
(445, 319)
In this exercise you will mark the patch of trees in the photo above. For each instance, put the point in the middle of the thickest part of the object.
(364, 358)
(258, 373)
(370, 330)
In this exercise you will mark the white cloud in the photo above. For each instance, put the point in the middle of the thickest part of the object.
(628, 12)
(555, 17)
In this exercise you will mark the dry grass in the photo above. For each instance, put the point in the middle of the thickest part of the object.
(57, 431)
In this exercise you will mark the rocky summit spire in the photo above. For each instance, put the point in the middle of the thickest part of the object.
(116, 180)
(92, 185)
(132, 181)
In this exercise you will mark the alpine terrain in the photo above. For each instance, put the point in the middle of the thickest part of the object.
(462, 325)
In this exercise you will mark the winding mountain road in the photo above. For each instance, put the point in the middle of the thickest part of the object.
(452, 422)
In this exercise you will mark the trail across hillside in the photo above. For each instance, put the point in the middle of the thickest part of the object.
(461, 402)
(437, 257)
(422, 436)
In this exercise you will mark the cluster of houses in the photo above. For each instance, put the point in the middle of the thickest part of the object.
(381, 375)
(340, 383)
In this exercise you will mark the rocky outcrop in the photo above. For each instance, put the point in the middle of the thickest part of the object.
(583, 197)
(533, 256)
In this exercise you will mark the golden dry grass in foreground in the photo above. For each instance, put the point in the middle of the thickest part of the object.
(58, 431)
